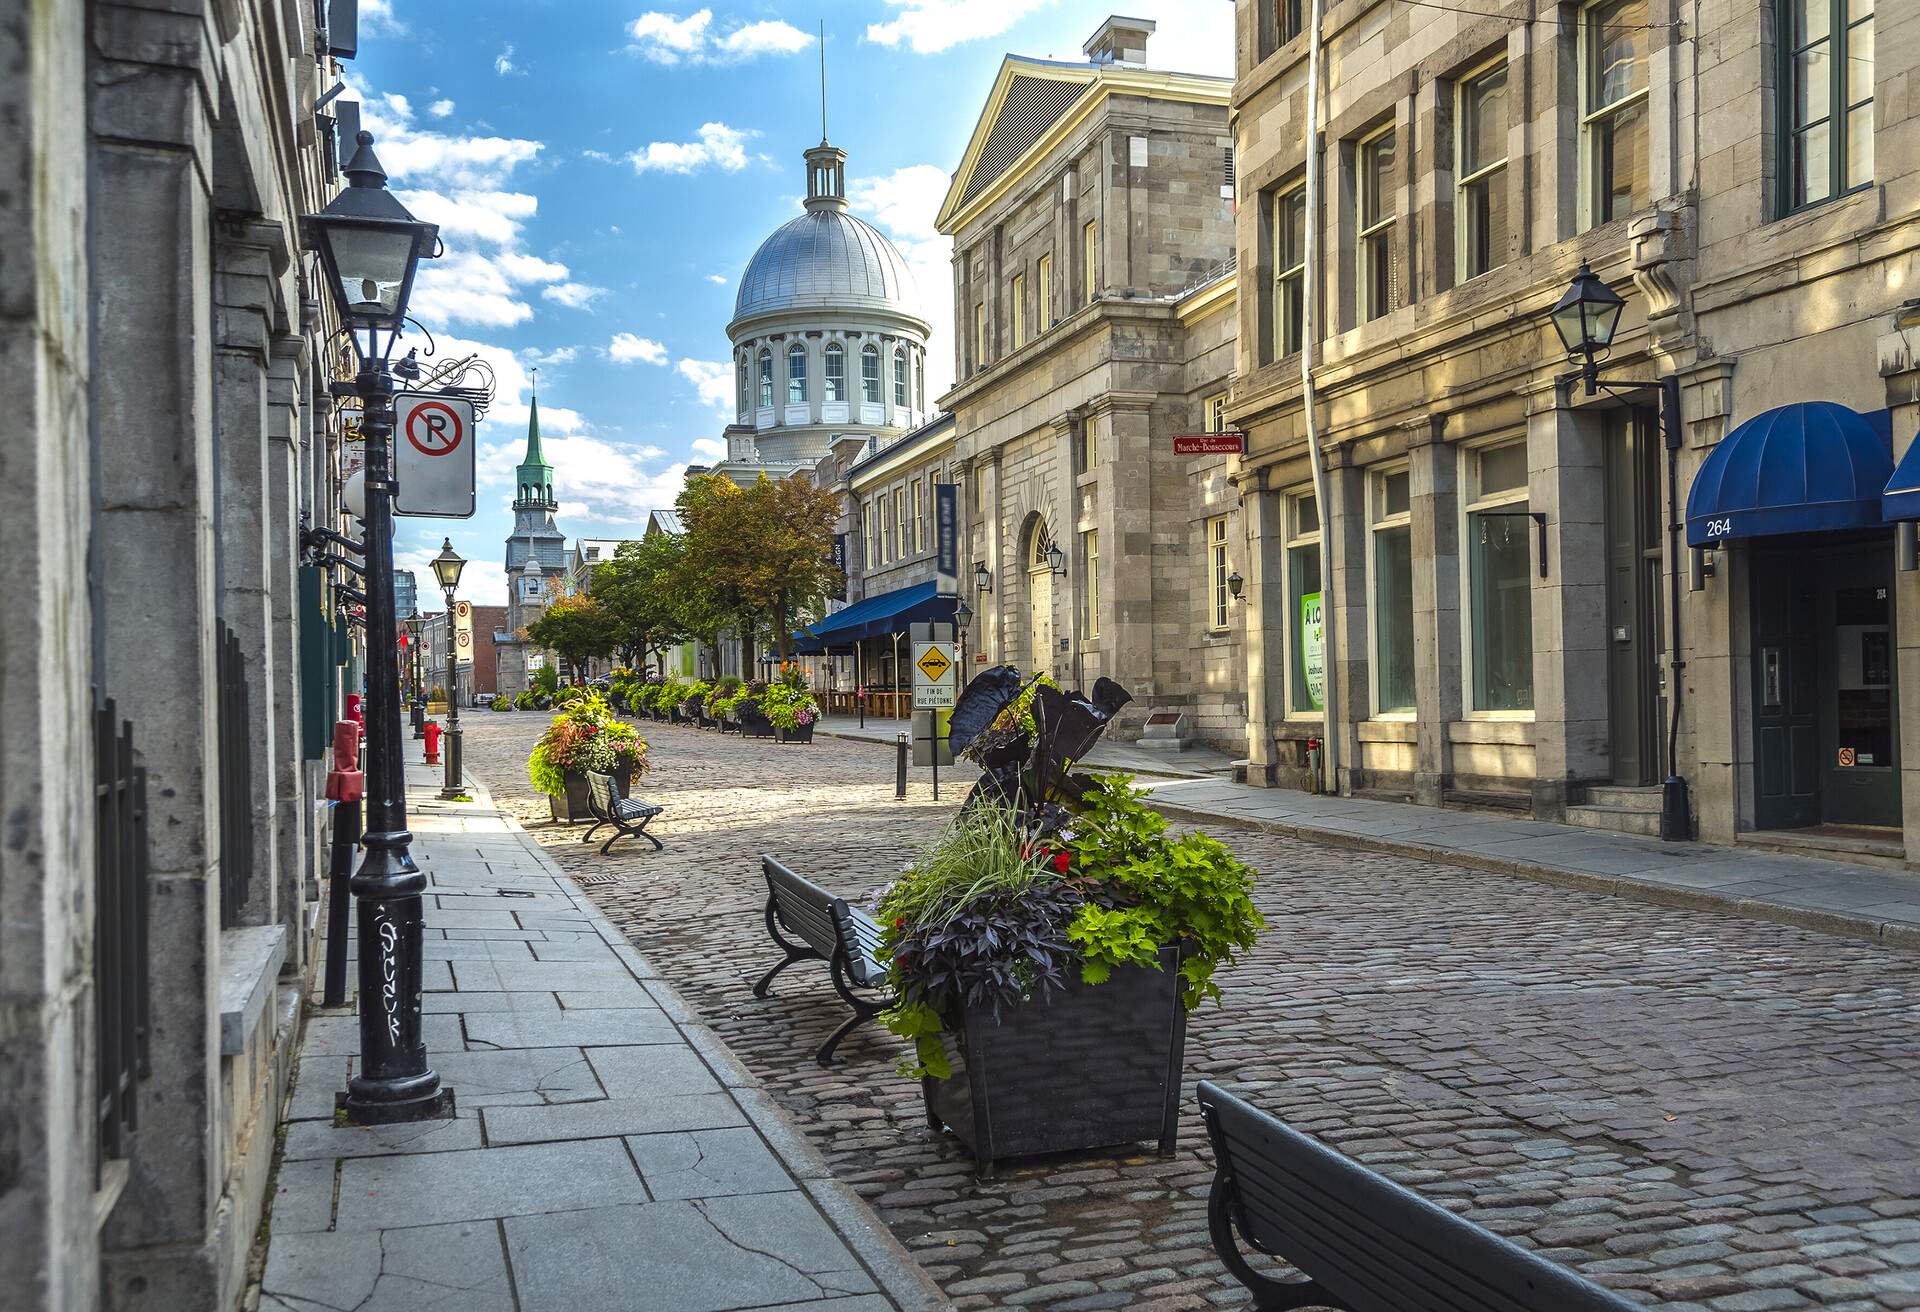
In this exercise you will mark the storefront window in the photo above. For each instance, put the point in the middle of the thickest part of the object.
(1392, 594)
(1500, 578)
(1306, 657)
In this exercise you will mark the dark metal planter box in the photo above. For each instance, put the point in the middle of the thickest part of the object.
(754, 723)
(804, 734)
(573, 807)
(1091, 1067)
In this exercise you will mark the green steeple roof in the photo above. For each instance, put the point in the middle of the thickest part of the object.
(535, 476)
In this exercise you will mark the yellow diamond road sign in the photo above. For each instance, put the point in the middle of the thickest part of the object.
(934, 663)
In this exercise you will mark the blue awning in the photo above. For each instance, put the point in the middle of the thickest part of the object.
(1901, 500)
(876, 616)
(1811, 467)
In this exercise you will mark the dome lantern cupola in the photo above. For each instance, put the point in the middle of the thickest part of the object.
(826, 177)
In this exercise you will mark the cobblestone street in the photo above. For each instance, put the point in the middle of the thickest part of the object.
(1701, 1110)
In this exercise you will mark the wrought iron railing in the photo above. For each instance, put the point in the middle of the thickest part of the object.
(236, 778)
(121, 879)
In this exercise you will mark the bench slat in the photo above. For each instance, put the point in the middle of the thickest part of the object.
(1367, 1241)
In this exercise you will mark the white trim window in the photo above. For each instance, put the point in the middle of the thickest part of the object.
(1480, 206)
(1219, 595)
(1213, 413)
(1499, 567)
(744, 395)
(1090, 611)
(1827, 99)
(1613, 119)
(1017, 297)
(870, 374)
(836, 372)
(1376, 255)
(888, 521)
(1289, 270)
(1043, 289)
(870, 518)
(899, 378)
(979, 334)
(919, 517)
(766, 379)
(1090, 258)
(1306, 614)
(906, 525)
(796, 374)
(1392, 612)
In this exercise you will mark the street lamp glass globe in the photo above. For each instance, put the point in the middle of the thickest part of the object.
(447, 566)
(1587, 315)
(982, 578)
(369, 245)
(1056, 558)
(962, 613)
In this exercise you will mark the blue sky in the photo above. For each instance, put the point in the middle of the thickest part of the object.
(603, 171)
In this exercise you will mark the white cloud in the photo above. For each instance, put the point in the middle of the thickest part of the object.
(573, 295)
(559, 355)
(904, 204)
(503, 63)
(440, 108)
(929, 26)
(717, 279)
(483, 581)
(709, 448)
(489, 216)
(719, 146)
(667, 39)
(625, 348)
(713, 379)
(1193, 38)
(377, 18)
(600, 155)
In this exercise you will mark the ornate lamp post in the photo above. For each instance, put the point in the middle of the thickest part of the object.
(446, 567)
(962, 621)
(1586, 318)
(416, 626)
(369, 248)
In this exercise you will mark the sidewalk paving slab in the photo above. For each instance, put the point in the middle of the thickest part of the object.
(607, 1153)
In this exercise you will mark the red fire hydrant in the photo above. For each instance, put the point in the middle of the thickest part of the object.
(433, 742)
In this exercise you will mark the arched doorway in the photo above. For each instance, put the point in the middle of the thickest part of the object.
(1039, 598)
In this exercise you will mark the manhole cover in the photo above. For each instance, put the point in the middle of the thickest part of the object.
(595, 881)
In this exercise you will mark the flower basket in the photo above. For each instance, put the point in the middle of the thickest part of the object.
(574, 807)
(754, 722)
(803, 734)
(1089, 1067)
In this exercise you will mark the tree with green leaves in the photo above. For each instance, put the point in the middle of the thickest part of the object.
(756, 556)
(637, 591)
(577, 628)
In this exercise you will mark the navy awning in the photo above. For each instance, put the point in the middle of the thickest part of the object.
(876, 616)
(1810, 467)
(1901, 500)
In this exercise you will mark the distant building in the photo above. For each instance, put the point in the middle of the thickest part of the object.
(536, 564)
(406, 594)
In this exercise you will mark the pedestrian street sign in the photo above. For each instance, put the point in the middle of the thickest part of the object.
(934, 663)
(433, 455)
(934, 675)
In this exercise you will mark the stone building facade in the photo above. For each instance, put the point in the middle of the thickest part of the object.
(537, 566)
(1504, 569)
(167, 376)
(1093, 227)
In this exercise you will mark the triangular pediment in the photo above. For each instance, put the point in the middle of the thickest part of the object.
(1028, 98)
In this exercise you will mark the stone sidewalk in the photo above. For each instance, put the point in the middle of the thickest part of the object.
(1837, 897)
(608, 1152)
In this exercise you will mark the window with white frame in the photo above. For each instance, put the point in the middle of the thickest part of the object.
(836, 371)
(979, 335)
(899, 378)
(870, 374)
(796, 374)
(1043, 292)
(1017, 296)
(1090, 609)
(1090, 258)
(1289, 270)
(1378, 273)
(766, 379)
(1219, 596)
(1613, 119)
(1307, 653)
(1499, 578)
(1392, 526)
(1213, 413)
(1827, 99)
(888, 522)
(870, 516)
(1480, 208)
(1089, 446)
(906, 525)
(919, 517)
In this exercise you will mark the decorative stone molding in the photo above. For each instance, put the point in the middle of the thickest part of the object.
(1706, 401)
(1661, 244)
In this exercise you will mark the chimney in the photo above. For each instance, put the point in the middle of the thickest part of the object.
(1120, 41)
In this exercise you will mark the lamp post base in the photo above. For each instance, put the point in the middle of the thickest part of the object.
(453, 788)
(1676, 825)
(360, 1109)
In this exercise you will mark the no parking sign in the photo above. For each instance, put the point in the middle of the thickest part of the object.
(433, 445)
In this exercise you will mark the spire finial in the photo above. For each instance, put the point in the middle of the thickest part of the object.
(823, 81)
(535, 372)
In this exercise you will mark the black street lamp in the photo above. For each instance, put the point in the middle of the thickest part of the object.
(982, 577)
(1235, 584)
(369, 249)
(1056, 558)
(962, 621)
(416, 627)
(446, 567)
(1586, 318)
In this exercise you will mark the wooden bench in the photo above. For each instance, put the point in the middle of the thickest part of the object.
(626, 816)
(1363, 1243)
(828, 930)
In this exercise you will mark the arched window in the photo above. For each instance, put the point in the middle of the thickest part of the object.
(766, 379)
(870, 374)
(836, 372)
(740, 399)
(900, 377)
(920, 378)
(796, 374)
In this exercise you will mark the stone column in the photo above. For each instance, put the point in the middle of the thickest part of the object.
(49, 1258)
(1344, 524)
(243, 295)
(993, 608)
(286, 424)
(1433, 487)
(1123, 513)
(1266, 610)
(1566, 462)
(150, 228)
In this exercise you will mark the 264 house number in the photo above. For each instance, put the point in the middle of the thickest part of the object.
(1719, 528)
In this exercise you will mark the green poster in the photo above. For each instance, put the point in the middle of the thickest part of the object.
(1313, 651)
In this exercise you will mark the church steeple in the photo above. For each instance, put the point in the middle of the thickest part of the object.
(534, 478)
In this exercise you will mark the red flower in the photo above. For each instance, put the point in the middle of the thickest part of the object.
(1060, 862)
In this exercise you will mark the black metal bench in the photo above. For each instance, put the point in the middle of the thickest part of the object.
(831, 931)
(627, 816)
(1363, 1243)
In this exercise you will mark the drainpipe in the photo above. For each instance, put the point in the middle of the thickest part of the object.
(1675, 823)
(1309, 338)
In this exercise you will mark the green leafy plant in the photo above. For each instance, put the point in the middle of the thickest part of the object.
(789, 705)
(500, 703)
(546, 680)
(586, 735)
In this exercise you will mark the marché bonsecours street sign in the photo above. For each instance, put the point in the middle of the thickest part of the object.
(433, 445)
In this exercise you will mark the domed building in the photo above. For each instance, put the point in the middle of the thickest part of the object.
(828, 340)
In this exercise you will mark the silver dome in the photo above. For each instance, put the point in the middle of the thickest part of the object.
(829, 260)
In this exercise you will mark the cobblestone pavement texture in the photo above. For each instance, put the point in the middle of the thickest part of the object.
(1703, 1111)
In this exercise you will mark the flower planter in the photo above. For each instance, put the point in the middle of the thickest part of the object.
(573, 807)
(1090, 1067)
(804, 734)
(755, 724)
